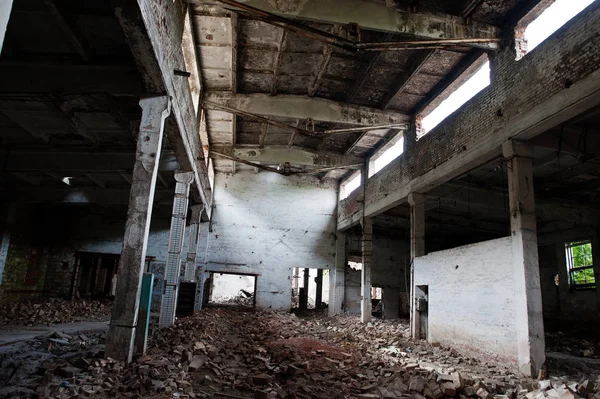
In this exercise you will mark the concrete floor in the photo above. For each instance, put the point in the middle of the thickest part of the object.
(11, 335)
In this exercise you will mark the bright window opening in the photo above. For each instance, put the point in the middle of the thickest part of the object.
(386, 155)
(580, 264)
(476, 83)
(549, 21)
(350, 185)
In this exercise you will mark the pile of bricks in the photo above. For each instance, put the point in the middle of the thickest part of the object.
(224, 352)
(54, 311)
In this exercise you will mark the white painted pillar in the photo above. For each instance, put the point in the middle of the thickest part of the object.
(417, 248)
(124, 316)
(176, 236)
(194, 230)
(527, 290)
(365, 275)
(5, 8)
(337, 276)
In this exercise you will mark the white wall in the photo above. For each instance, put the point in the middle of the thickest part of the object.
(471, 302)
(267, 224)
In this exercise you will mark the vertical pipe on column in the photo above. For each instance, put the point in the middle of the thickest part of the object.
(124, 316)
(176, 237)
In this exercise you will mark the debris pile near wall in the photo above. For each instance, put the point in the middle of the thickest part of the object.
(240, 353)
(54, 311)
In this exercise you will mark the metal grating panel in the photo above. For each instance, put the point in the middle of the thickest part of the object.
(176, 237)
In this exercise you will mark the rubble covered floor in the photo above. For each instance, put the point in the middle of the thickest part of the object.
(242, 353)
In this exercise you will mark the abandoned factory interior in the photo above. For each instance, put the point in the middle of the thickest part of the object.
(395, 199)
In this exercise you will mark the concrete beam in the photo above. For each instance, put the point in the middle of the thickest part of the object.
(483, 146)
(293, 155)
(57, 78)
(83, 195)
(158, 54)
(303, 107)
(380, 17)
(79, 161)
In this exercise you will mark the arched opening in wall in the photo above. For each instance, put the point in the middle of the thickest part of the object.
(310, 289)
(542, 21)
(232, 289)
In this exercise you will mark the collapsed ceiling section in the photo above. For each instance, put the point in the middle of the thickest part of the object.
(317, 87)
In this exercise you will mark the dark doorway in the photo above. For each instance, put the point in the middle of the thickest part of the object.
(94, 275)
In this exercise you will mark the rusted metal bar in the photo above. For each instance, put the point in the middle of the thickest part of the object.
(366, 128)
(253, 164)
(259, 118)
(422, 44)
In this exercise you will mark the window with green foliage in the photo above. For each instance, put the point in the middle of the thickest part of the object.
(580, 264)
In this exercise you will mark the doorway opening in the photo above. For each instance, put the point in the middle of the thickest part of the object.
(376, 302)
(94, 275)
(232, 289)
(310, 289)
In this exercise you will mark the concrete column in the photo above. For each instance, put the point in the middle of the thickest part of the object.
(120, 338)
(527, 291)
(319, 290)
(193, 242)
(337, 276)
(417, 248)
(303, 296)
(176, 237)
(201, 260)
(6, 234)
(365, 275)
(5, 8)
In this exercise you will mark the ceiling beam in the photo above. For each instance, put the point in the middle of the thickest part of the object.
(412, 67)
(96, 180)
(294, 156)
(85, 195)
(353, 91)
(322, 67)
(278, 60)
(234, 52)
(303, 107)
(379, 17)
(70, 30)
(57, 78)
(82, 162)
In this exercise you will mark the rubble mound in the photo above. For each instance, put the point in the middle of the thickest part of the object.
(54, 311)
(238, 353)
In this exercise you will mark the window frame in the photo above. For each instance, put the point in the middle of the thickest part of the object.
(342, 193)
(569, 245)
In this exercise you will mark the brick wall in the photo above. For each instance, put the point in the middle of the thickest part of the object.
(479, 316)
(268, 224)
(44, 240)
(521, 94)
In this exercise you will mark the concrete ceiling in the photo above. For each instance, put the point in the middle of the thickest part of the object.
(69, 92)
(242, 55)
